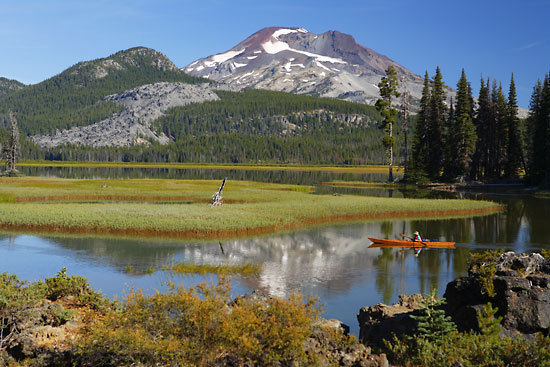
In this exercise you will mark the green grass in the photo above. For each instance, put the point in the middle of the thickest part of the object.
(191, 268)
(180, 208)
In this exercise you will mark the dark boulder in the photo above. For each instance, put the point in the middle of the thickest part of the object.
(521, 293)
(380, 322)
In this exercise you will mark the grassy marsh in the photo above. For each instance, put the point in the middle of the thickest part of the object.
(179, 208)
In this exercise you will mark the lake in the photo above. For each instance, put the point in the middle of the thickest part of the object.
(331, 262)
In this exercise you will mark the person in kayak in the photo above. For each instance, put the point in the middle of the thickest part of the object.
(417, 238)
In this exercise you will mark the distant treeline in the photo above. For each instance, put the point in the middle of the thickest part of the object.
(235, 148)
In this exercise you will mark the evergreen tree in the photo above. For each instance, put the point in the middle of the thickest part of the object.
(514, 153)
(419, 151)
(461, 136)
(502, 132)
(540, 121)
(534, 111)
(388, 88)
(434, 135)
(449, 149)
(495, 133)
(482, 121)
(432, 323)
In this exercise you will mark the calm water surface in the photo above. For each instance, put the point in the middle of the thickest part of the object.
(332, 262)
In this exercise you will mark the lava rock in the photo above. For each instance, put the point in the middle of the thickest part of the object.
(380, 322)
(522, 295)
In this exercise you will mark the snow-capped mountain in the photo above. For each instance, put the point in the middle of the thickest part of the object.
(294, 60)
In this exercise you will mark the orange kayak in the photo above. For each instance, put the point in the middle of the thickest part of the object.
(379, 242)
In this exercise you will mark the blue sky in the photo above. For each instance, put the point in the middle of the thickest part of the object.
(41, 38)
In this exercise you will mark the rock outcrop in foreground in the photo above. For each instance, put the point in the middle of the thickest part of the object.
(520, 290)
(380, 322)
(142, 106)
(518, 284)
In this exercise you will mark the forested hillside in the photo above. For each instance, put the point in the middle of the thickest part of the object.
(73, 98)
(262, 112)
(253, 126)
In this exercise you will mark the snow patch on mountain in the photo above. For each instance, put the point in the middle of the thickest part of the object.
(283, 31)
(322, 66)
(220, 58)
(275, 47)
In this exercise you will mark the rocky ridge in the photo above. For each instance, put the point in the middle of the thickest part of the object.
(142, 105)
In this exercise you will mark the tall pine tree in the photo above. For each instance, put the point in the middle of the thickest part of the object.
(449, 148)
(461, 136)
(514, 153)
(482, 121)
(540, 122)
(388, 89)
(437, 116)
(534, 110)
(500, 155)
(419, 152)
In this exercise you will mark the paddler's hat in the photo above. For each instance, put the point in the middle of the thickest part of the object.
(416, 233)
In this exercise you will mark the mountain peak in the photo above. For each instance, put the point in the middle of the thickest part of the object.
(136, 57)
(265, 34)
(291, 59)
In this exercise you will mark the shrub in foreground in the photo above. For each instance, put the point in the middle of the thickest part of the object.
(75, 286)
(17, 302)
(200, 326)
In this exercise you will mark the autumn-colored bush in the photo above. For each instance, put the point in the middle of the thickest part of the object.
(201, 326)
